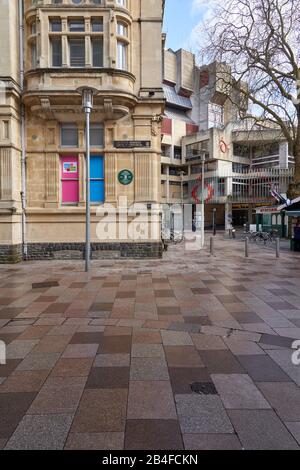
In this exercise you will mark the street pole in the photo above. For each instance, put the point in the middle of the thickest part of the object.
(202, 201)
(88, 195)
(214, 222)
(87, 95)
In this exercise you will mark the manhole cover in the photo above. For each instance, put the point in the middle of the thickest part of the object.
(204, 388)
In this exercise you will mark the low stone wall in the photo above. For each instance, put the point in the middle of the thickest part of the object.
(42, 251)
(10, 254)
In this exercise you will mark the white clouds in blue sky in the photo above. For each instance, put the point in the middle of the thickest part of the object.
(182, 18)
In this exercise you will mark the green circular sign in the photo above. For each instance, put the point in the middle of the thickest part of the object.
(125, 177)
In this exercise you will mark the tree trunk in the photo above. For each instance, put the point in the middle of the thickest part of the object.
(294, 188)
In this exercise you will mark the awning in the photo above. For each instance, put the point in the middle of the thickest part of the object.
(293, 213)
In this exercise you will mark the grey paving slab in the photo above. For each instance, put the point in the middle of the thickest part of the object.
(261, 430)
(18, 349)
(211, 442)
(243, 348)
(205, 342)
(148, 368)
(202, 414)
(284, 359)
(147, 350)
(294, 429)
(47, 432)
(263, 369)
(39, 361)
(239, 392)
(284, 399)
(176, 338)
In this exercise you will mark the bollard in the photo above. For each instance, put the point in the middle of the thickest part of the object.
(277, 248)
(247, 247)
(211, 246)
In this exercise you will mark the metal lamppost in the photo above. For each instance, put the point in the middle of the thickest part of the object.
(182, 174)
(87, 94)
(214, 221)
(202, 198)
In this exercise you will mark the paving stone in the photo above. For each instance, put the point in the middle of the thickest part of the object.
(261, 430)
(115, 344)
(24, 381)
(144, 336)
(47, 432)
(35, 332)
(18, 349)
(86, 338)
(294, 429)
(101, 410)
(189, 327)
(243, 348)
(284, 359)
(147, 350)
(263, 369)
(52, 344)
(95, 441)
(148, 368)
(153, 435)
(38, 361)
(174, 338)
(205, 342)
(238, 391)
(69, 367)
(202, 414)
(221, 362)
(183, 356)
(112, 360)
(182, 378)
(13, 406)
(143, 402)
(211, 442)
(2, 443)
(108, 377)
(284, 398)
(58, 395)
(80, 350)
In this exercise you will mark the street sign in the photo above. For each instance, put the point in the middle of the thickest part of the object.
(131, 144)
(125, 177)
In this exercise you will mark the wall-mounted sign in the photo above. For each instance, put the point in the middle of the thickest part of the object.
(131, 144)
(125, 177)
(69, 167)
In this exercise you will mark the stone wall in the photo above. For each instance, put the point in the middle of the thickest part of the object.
(10, 254)
(43, 251)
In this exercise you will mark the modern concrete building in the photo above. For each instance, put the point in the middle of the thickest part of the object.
(48, 49)
(243, 160)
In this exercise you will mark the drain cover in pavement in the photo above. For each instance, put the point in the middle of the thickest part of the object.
(39, 285)
(204, 388)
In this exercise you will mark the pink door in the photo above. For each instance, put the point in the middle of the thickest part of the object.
(69, 180)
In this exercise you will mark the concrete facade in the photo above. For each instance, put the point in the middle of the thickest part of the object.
(241, 158)
(114, 46)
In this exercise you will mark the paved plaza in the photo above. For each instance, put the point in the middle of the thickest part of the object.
(191, 352)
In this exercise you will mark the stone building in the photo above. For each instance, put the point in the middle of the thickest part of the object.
(48, 49)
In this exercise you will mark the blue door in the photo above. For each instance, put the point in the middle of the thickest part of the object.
(97, 179)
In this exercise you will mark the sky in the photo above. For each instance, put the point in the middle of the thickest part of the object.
(181, 18)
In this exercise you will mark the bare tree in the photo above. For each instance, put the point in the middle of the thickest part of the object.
(260, 40)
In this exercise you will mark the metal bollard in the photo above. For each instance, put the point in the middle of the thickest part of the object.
(247, 247)
(212, 246)
(277, 248)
